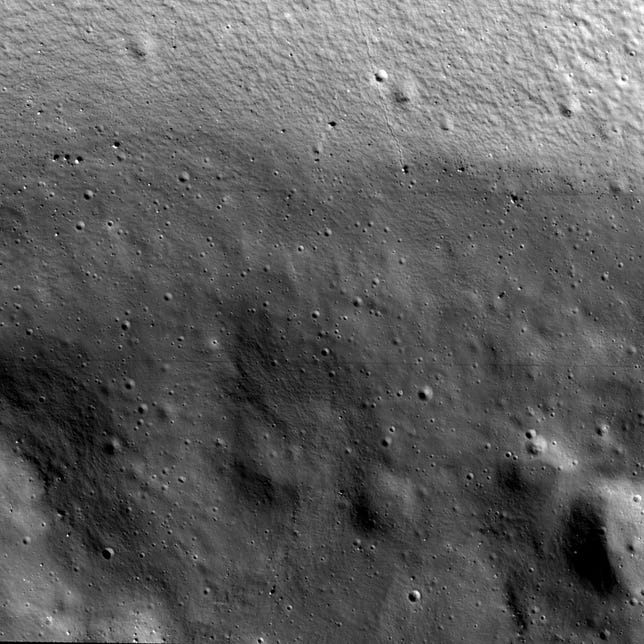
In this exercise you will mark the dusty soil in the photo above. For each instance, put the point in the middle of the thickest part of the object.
(321, 323)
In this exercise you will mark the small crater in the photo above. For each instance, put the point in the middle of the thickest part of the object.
(426, 393)
(381, 75)
(108, 553)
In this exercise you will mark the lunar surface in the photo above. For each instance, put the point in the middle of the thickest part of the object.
(322, 322)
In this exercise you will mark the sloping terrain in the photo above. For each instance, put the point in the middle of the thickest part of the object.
(291, 350)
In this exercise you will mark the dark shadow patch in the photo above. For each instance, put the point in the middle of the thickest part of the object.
(55, 416)
(400, 97)
(59, 420)
(261, 490)
(585, 547)
(363, 517)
